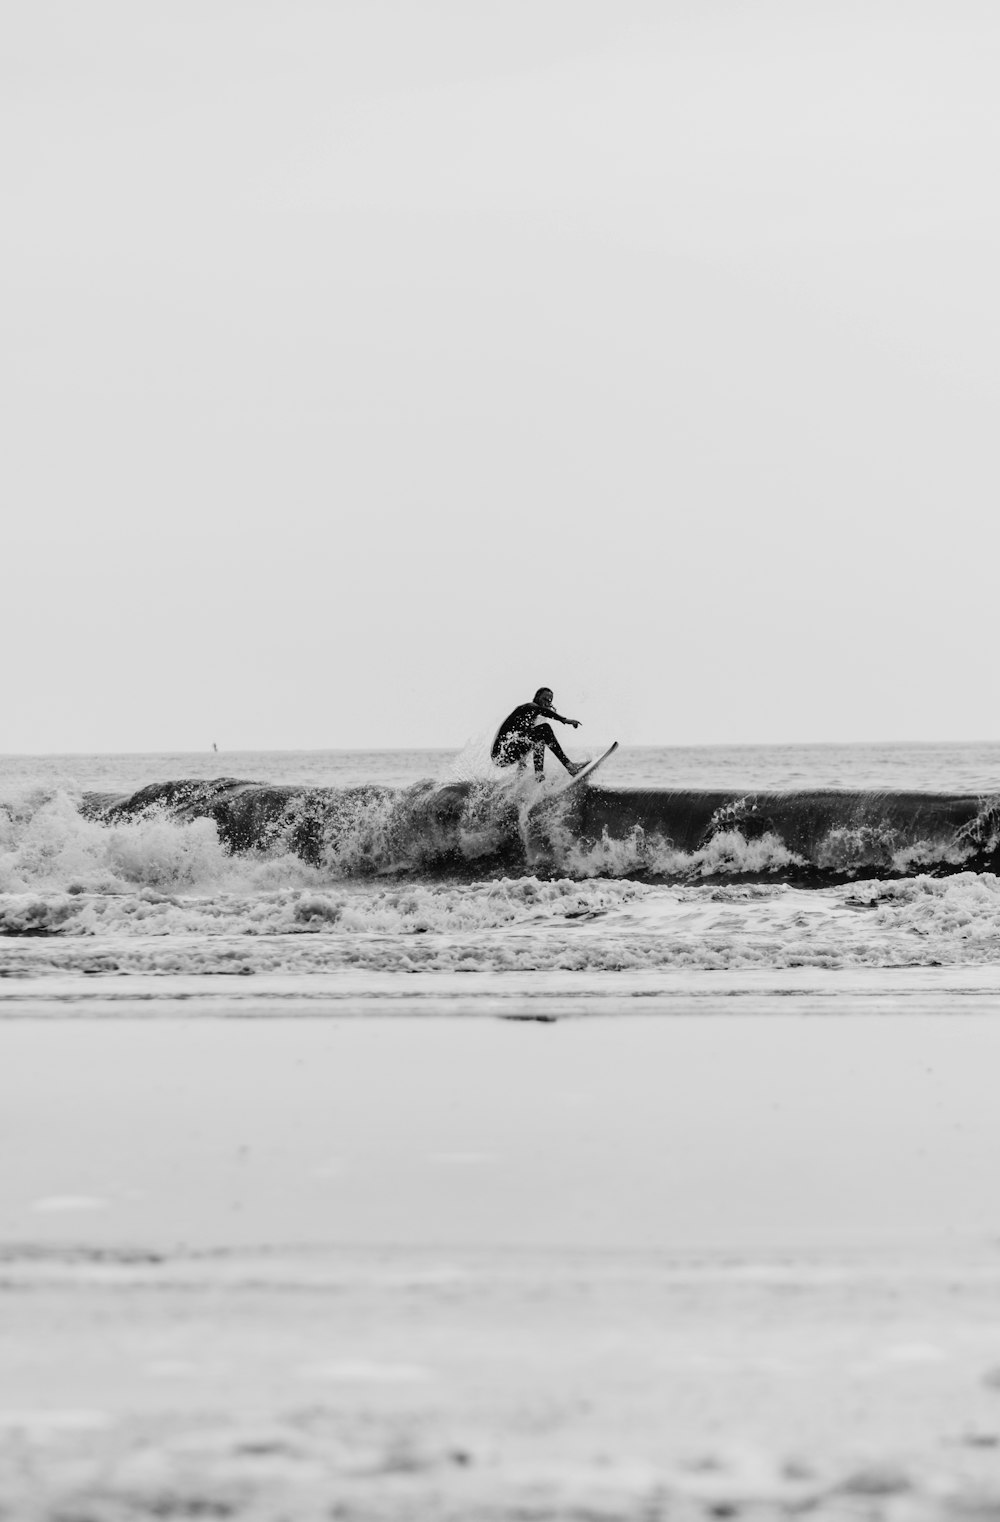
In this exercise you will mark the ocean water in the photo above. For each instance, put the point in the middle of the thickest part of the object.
(347, 876)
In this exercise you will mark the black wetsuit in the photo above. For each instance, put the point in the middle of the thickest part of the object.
(520, 736)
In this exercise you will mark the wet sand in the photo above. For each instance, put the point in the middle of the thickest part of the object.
(360, 994)
(430, 1268)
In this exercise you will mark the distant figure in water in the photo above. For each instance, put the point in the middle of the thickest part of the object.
(521, 735)
(215, 747)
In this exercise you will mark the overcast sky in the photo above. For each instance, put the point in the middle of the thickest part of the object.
(364, 366)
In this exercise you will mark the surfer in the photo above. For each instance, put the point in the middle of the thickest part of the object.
(521, 735)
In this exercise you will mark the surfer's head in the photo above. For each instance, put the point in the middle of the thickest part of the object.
(544, 697)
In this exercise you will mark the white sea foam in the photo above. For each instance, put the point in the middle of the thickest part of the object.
(522, 924)
(47, 845)
(727, 853)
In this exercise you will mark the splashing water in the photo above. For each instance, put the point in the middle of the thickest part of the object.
(487, 871)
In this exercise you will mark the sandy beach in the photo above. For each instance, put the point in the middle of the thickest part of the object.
(426, 1268)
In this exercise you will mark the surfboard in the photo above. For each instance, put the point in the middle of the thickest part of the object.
(588, 771)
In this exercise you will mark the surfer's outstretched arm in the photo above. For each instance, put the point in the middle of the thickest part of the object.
(550, 713)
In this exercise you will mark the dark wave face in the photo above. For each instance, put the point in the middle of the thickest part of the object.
(482, 828)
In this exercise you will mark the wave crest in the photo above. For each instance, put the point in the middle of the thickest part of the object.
(230, 835)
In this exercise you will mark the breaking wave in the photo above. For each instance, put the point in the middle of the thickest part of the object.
(234, 835)
(229, 876)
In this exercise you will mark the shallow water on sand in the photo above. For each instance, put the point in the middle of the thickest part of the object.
(613, 1269)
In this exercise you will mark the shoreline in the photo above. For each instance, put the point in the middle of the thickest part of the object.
(343, 994)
